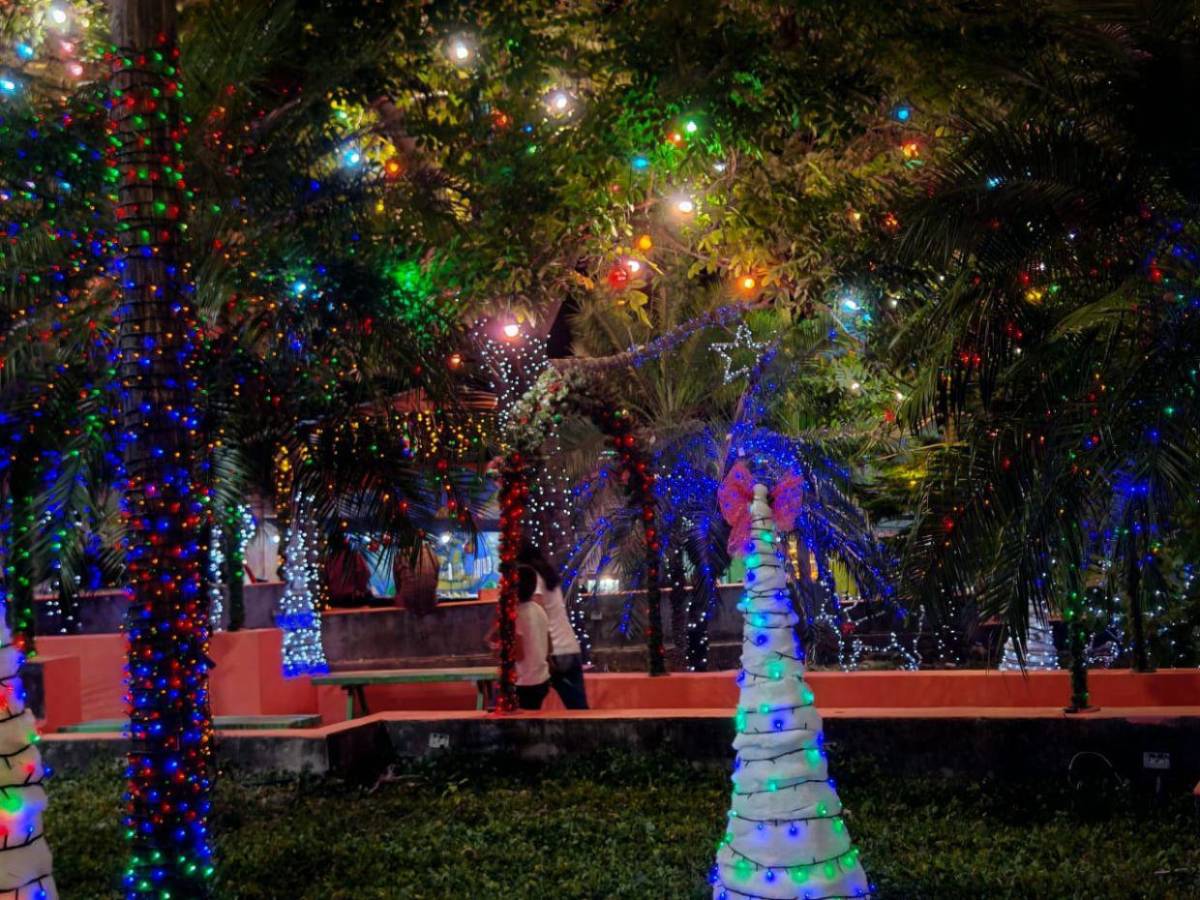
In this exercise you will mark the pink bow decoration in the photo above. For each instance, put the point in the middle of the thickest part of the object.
(737, 492)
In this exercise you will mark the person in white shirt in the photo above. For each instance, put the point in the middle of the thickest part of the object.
(566, 657)
(533, 643)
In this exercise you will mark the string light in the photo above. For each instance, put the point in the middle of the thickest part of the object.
(1038, 649)
(299, 618)
(216, 563)
(460, 50)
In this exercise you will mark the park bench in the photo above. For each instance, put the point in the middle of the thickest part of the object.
(355, 683)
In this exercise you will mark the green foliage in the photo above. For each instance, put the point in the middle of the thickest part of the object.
(619, 825)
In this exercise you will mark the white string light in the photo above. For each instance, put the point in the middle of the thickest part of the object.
(298, 617)
(743, 339)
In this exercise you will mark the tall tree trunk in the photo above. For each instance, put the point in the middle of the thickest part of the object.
(22, 563)
(235, 568)
(1137, 619)
(679, 610)
(170, 758)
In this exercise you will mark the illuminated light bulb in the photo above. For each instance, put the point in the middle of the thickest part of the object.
(67, 47)
(640, 163)
(455, 360)
(910, 149)
(352, 157)
(899, 396)
(685, 206)
(24, 51)
(393, 167)
(559, 103)
(645, 242)
(719, 167)
(444, 539)
(58, 16)
(299, 287)
(748, 283)
(512, 330)
(7, 85)
(691, 127)
(902, 113)
(633, 265)
(855, 386)
(75, 69)
(460, 51)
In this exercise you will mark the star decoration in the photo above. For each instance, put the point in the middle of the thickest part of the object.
(743, 339)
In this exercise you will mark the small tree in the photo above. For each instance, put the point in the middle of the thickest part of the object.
(785, 837)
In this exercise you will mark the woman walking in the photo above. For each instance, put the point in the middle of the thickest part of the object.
(566, 657)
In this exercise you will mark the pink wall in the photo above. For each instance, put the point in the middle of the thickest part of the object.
(84, 681)
(247, 680)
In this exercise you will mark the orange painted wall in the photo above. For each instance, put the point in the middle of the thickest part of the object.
(247, 680)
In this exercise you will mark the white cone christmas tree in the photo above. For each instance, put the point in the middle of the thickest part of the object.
(785, 837)
(299, 617)
(1038, 646)
(25, 865)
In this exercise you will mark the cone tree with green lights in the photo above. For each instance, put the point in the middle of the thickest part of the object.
(785, 836)
(25, 864)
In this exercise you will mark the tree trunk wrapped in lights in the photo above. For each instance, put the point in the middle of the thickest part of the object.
(785, 836)
(167, 801)
(514, 494)
(531, 420)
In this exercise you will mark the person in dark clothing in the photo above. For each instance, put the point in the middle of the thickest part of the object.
(348, 577)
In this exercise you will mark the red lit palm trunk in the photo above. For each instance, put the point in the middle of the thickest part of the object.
(167, 799)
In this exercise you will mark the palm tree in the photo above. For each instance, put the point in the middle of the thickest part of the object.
(170, 760)
(1048, 354)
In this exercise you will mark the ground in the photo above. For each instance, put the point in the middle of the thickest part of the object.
(618, 826)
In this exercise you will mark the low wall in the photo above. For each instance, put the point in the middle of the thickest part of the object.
(458, 629)
(103, 612)
(246, 680)
(963, 744)
(388, 633)
(923, 692)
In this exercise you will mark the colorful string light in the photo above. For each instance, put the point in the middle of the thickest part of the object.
(167, 801)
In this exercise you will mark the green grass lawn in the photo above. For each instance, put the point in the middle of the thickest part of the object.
(615, 825)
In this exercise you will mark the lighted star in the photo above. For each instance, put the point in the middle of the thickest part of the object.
(743, 339)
